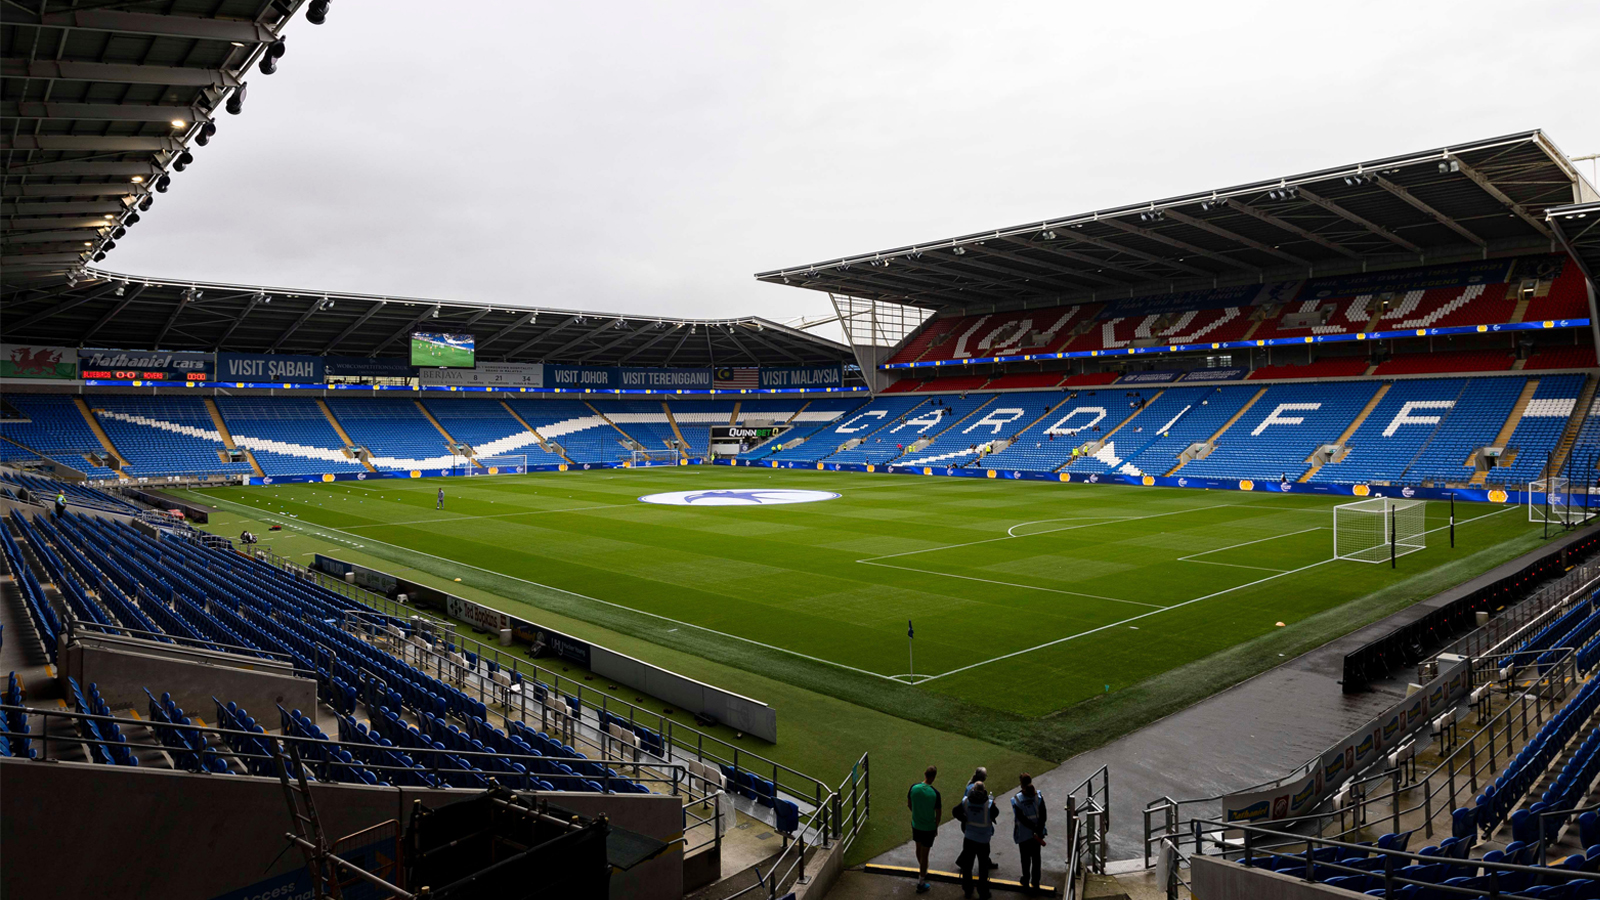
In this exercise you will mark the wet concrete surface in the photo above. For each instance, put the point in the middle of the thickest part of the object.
(1254, 732)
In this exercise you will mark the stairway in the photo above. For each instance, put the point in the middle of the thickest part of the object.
(628, 437)
(1580, 413)
(424, 410)
(227, 437)
(1351, 429)
(733, 418)
(1225, 426)
(339, 430)
(683, 445)
(936, 435)
(100, 433)
(542, 442)
(1509, 428)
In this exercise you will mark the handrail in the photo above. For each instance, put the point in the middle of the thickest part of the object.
(1544, 694)
(821, 822)
(722, 752)
(1248, 845)
(181, 639)
(678, 773)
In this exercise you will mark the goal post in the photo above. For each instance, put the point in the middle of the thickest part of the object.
(641, 458)
(1370, 531)
(1550, 500)
(515, 464)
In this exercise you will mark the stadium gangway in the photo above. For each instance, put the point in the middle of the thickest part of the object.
(1310, 855)
(849, 803)
(1468, 765)
(1088, 824)
(1575, 814)
(1511, 626)
(667, 783)
(805, 789)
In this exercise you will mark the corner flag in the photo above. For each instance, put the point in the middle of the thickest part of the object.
(910, 632)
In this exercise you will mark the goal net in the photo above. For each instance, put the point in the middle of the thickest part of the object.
(492, 465)
(1364, 531)
(641, 458)
(1550, 500)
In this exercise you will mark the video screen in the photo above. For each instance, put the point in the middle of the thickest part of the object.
(442, 351)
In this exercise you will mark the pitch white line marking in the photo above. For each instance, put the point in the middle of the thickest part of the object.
(1031, 587)
(1009, 537)
(560, 590)
(447, 521)
(1071, 637)
(1208, 562)
(1012, 531)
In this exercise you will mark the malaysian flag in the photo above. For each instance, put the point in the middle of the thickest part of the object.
(731, 379)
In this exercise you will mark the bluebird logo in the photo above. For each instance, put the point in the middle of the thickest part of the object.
(1407, 492)
(765, 497)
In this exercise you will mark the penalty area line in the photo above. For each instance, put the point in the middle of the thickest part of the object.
(561, 590)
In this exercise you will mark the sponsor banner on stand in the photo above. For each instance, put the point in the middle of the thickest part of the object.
(580, 378)
(120, 365)
(552, 642)
(38, 361)
(1149, 377)
(265, 367)
(491, 374)
(802, 377)
(1233, 373)
(476, 615)
(362, 367)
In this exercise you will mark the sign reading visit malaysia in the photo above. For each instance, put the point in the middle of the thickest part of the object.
(487, 374)
(118, 365)
(35, 361)
(803, 377)
(265, 367)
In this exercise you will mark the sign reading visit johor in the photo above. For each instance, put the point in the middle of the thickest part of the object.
(767, 497)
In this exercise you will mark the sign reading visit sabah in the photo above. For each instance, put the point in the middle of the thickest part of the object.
(763, 497)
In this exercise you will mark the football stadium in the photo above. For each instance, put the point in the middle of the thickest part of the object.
(1237, 541)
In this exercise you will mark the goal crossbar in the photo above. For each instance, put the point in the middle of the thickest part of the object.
(513, 464)
(1375, 530)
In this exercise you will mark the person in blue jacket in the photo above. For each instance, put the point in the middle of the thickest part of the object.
(977, 814)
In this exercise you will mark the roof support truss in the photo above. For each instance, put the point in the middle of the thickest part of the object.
(1285, 225)
(1224, 233)
(1348, 216)
(350, 329)
(1416, 203)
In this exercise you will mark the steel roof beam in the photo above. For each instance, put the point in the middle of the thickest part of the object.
(1417, 203)
(249, 308)
(350, 329)
(91, 143)
(105, 112)
(1114, 247)
(1013, 277)
(305, 317)
(1237, 238)
(151, 24)
(541, 336)
(1085, 258)
(1348, 216)
(26, 223)
(608, 323)
(660, 333)
(15, 191)
(1517, 209)
(85, 167)
(1017, 257)
(1181, 245)
(607, 346)
(1285, 225)
(427, 313)
(65, 70)
(34, 237)
(184, 299)
(127, 300)
(60, 308)
(60, 209)
(682, 339)
(761, 338)
(518, 323)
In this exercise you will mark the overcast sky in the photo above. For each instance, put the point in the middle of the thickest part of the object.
(650, 157)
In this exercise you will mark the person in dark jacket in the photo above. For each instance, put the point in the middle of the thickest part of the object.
(1028, 831)
(61, 503)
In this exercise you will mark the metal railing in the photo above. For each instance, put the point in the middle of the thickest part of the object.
(1088, 824)
(1513, 624)
(1394, 792)
(668, 782)
(1317, 859)
(675, 736)
(838, 819)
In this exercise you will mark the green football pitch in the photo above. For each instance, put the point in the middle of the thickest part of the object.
(1027, 597)
(1049, 617)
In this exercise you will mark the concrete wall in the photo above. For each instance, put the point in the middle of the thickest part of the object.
(124, 667)
(1218, 879)
(72, 830)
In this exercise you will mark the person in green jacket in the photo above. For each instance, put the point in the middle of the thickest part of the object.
(927, 807)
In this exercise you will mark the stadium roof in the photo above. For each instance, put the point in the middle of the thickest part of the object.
(102, 102)
(1466, 201)
(107, 309)
(1578, 225)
